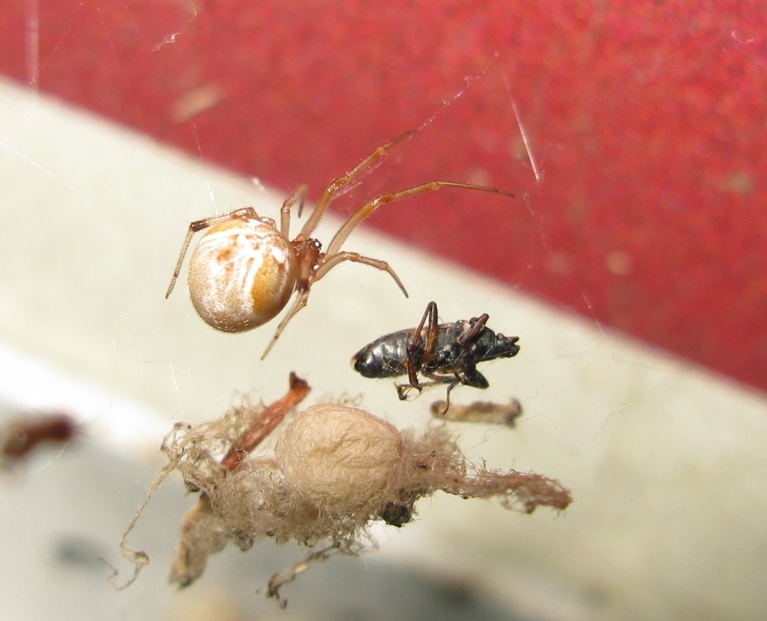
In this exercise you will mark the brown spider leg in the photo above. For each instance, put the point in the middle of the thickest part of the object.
(265, 423)
(345, 179)
(298, 195)
(301, 299)
(198, 225)
(374, 203)
(339, 257)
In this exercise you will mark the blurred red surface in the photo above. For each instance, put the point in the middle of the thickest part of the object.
(633, 133)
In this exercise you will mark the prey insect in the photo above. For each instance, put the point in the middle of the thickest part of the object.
(443, 353)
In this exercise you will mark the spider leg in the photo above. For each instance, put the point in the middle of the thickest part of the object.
(298, 195)
(198, 225)
(345, 179)
(339, 257)
(374, 203)
(301, 298)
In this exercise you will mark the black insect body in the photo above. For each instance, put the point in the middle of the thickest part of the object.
(445, 353)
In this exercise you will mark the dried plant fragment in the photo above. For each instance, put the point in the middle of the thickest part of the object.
(22, 436)
(479, 412)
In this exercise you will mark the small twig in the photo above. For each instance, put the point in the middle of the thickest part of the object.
(249, 440)
(265, 423)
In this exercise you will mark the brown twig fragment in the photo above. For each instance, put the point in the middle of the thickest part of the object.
(265, 423)
(203, 530)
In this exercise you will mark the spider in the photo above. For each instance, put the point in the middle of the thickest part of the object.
(245, 269)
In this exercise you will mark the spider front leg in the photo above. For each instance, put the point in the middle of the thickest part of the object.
(245, 213)
(345, 179)
(299, 195)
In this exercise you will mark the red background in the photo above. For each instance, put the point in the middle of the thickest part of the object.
(640, 174)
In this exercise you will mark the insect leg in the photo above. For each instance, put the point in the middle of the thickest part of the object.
(469, 376)
(453, 384)
(475, 327)
(403, 390)
(433, 327)
(415, 349)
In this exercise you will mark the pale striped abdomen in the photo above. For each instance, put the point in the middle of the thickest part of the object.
(241, 274)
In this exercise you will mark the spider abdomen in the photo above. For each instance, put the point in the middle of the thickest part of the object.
(241, 274)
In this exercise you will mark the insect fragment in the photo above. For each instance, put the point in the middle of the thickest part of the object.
(480, 412)
(444, 353)
(245, 269)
